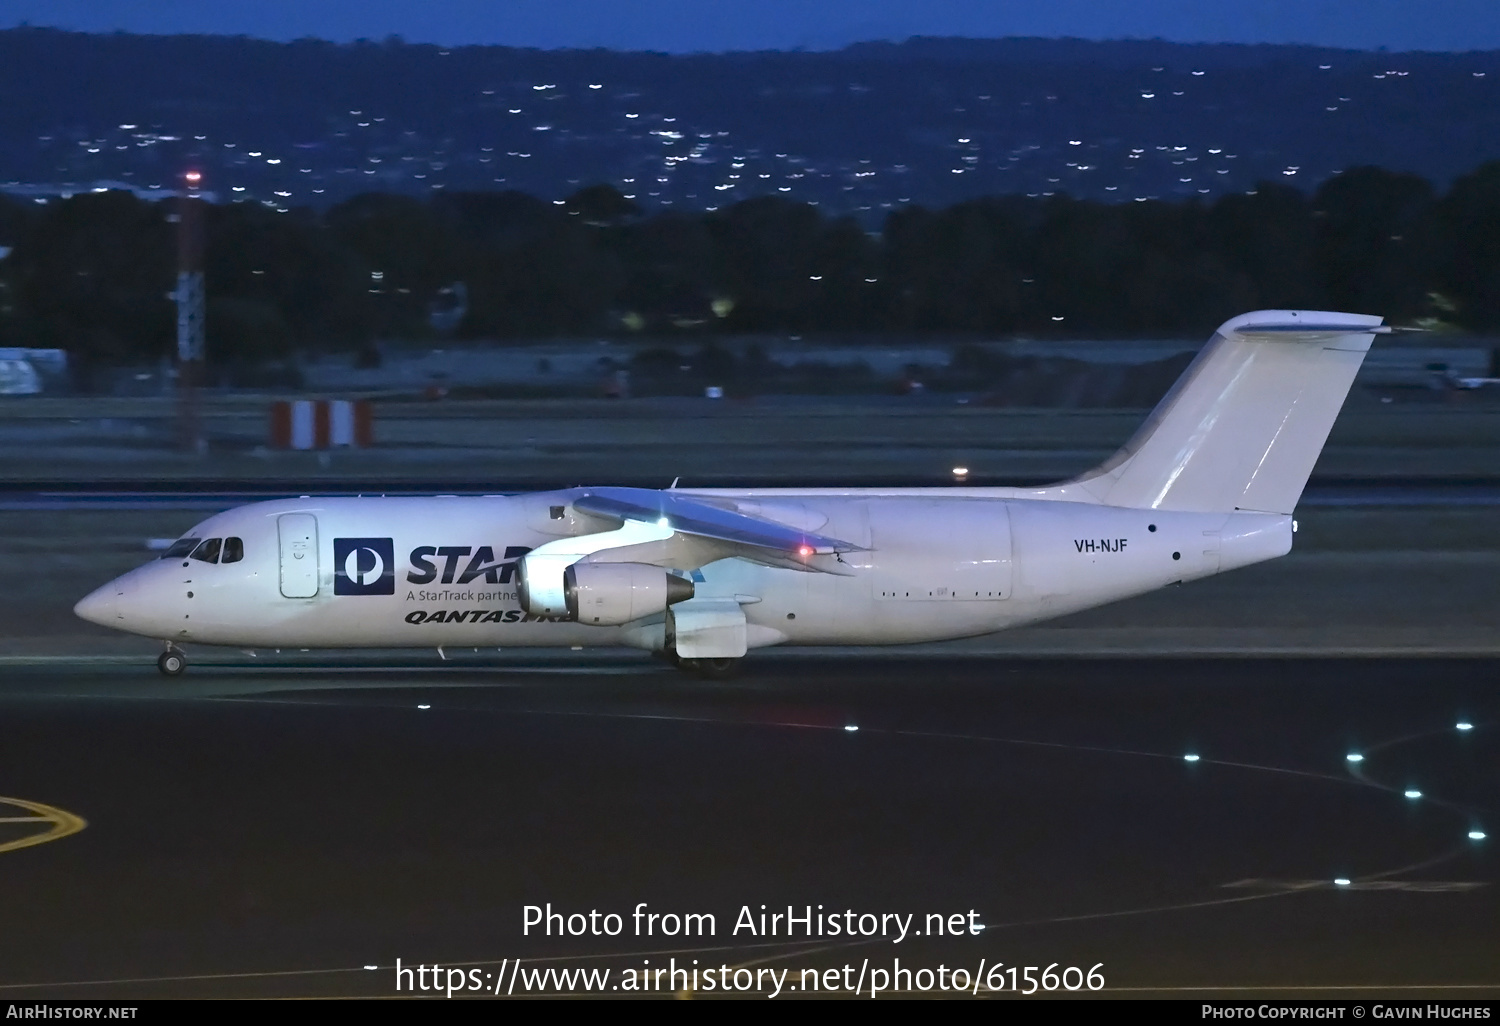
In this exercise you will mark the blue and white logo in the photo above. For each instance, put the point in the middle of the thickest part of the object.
(364, 566)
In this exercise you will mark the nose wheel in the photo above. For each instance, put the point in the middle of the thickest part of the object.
(171, 663)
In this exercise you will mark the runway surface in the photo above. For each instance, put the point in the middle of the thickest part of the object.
(274, 832)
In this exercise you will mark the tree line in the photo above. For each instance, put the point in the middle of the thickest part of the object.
(93, 274)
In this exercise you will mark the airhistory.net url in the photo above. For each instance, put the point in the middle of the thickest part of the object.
(512, 976)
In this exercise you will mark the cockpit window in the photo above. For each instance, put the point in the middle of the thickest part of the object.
(180, 548)
(234, 550)
(208, 551)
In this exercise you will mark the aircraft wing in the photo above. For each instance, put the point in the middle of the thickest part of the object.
(692, 516)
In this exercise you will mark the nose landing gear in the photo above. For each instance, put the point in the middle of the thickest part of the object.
(171, 662)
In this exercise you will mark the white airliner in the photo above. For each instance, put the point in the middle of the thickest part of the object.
(1209, 483)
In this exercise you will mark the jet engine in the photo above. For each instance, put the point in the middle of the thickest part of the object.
(606, 594)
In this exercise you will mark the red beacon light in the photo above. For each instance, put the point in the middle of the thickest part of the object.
(193, 177)
(805, 550)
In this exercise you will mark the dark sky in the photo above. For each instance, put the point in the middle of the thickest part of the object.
(685, 25)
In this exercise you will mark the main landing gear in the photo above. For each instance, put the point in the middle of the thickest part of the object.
(171, 662)
(710, 669)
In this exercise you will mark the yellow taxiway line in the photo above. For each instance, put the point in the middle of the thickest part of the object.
(61, 821)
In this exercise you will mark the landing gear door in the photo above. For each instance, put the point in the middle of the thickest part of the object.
(298, 534)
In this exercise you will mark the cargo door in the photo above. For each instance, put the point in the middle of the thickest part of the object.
(298, 533)
(941, 550)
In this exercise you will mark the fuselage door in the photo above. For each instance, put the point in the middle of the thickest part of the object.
(941, 549)
(298, 533)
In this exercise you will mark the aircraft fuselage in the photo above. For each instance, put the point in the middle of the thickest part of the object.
(423, 572)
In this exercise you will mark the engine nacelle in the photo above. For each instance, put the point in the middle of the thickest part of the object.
(607, 594)
(539, 583)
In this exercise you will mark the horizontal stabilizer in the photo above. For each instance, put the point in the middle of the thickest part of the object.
(1307, 332)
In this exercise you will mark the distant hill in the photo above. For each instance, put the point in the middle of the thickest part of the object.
(864, 130)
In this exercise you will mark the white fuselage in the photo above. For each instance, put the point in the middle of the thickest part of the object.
(934, 564)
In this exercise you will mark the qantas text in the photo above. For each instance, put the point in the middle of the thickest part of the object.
(480, 616)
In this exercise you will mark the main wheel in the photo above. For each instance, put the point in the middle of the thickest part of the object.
(171, 663)
(712, 669)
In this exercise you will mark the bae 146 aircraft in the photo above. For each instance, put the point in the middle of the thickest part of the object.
(1209, 483)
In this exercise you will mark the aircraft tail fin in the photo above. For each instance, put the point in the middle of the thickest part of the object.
(1243, 426)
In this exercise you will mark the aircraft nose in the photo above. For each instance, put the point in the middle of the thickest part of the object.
(100, 606)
